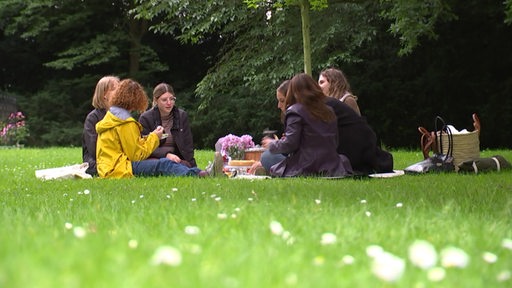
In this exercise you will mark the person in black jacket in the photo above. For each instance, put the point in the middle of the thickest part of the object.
(177, 143)
(358, 141)
(89, 136)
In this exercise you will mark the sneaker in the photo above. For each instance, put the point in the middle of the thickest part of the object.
(203, 174)
(218, 165)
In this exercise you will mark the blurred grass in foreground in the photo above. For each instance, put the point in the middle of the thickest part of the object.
(107, 233)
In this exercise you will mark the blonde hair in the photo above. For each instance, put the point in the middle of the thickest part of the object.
(105, 85)
(130, 95)
(160, 90)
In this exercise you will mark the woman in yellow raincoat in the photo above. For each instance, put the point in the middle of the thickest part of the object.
(121, 152)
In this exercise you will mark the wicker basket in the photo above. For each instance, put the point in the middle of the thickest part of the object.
(253, 154)
(466, 146)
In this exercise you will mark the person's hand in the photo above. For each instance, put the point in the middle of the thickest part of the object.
(159, 131)
(254, 167)
(266, 141)
(173, 157)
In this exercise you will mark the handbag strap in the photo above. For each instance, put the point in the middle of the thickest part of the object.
(426, 141)
(444, 128)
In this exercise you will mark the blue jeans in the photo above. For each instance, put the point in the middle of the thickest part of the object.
(268, 159)
(162, 166)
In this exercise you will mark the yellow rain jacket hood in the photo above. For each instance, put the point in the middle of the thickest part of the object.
(119, 143)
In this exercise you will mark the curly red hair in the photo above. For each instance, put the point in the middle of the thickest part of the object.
(130, 95)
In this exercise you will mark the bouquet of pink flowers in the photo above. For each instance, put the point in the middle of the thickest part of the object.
(234, 146)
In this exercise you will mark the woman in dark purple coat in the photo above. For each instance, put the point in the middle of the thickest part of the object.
(311, 134)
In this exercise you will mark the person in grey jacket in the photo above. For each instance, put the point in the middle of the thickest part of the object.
(177, 143)
(89, 136)
(310, 138)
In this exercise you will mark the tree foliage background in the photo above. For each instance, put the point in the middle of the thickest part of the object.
(407, 61)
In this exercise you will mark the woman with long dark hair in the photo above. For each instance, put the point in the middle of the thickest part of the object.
(310, 135)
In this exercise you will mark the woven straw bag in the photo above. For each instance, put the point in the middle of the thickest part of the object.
(466, 146)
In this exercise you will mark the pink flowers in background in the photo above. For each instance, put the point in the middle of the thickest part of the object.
(14, 131)
(235, 146)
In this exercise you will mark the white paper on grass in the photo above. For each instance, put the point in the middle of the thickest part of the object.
(65, 172)
(395, 173)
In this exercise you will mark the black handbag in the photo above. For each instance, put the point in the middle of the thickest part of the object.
(439, 161)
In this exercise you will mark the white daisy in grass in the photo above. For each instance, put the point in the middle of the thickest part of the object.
(423, 254)
(436, 274)
(489, 257)
(174, 189)
(368, 213)
(233, 216)
(318, 201)
(79, 232)
(218, 198)
(133, 201)
(68, 226)
(328, 239)
(194, 199)
(192, 230)
(399, 205)
(167, 255)
(348, 260)
(506, 243)
(454, 257)
(250, 199)
(374, 250)
(503, 276)
(222, 216)
(168, 196)
(133, 244)
(86, 192)
(276, 228)
(388, 267)
(80, 192)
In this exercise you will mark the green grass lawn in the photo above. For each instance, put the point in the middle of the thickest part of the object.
(217, 231)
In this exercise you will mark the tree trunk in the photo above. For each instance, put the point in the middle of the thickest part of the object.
(306, 42)
(137, 29)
